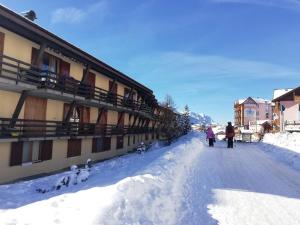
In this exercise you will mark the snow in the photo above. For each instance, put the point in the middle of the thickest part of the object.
(279, 92)
(184, 183)
(284, 147)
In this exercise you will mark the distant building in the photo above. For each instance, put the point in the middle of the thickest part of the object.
(252, 111)
(287, 109)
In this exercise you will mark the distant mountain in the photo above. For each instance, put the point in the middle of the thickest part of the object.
(200, 118)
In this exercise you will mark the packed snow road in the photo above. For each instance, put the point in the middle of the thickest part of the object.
(185, 183)
(241, 186)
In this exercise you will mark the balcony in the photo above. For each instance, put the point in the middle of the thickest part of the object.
(16, 75)
(292, 126)
(25, 129)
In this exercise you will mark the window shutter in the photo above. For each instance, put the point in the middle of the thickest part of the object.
(74, 147)
(64, 68)
(34, 56)
(16, 153)
(2, 35)
(46, 150)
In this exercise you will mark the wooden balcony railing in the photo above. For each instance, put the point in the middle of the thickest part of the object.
(45, 128)
(19, 71)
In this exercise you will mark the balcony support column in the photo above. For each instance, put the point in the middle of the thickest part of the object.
(120, 117)
(100, 115)
(134, 121)
(70, 111)
(18, 108)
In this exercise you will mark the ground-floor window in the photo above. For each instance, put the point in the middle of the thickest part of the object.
(120, 141)
(74, 147)
(101, 144)
(30, 152)
(147, 137)
(133, 139)
(152, 135)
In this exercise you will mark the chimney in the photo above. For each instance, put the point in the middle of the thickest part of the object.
(29, 15)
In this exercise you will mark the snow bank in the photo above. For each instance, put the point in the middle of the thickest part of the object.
(287, 140)
(154, 196)
(285, 147)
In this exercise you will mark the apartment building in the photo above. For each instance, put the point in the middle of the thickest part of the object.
(61, 106)
(287, 109)
(252, 112)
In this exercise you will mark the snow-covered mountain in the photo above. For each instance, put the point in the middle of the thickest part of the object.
(200, 118)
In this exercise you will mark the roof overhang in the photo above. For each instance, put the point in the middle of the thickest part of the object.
(293, 95)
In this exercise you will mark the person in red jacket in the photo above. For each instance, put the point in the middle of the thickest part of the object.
(230, 135)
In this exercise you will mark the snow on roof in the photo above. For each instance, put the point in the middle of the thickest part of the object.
(261, 100)
(257, 100)
(279, 92)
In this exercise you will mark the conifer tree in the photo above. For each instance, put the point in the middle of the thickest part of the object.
(186, 124)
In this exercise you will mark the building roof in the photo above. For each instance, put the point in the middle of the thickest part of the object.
(289, 95)
(26, 28)
(257, 100)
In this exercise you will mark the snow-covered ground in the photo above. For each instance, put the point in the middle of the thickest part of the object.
(185, 183)
(285, 147)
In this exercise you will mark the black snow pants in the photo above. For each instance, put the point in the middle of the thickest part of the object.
(211, 142)
(230, 142)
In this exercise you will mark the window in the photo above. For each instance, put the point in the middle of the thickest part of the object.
(74, 148)
(128, 140)
(267, 115)
(101, 144)
(30, 152)
(120, 142)
(146, 137)
(133, 140)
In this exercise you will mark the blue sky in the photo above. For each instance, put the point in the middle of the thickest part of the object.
(204, 53)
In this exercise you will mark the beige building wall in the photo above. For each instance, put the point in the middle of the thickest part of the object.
(76, 70)
(121, 88)
(126, 119)
(55, 110)
(9, 101)
(17, 47)
(101, 81)
(93, 114)
(112, 117)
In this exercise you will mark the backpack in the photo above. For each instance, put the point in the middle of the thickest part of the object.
(230, 132)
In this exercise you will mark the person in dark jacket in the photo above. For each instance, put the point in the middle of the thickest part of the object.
(230, 135)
